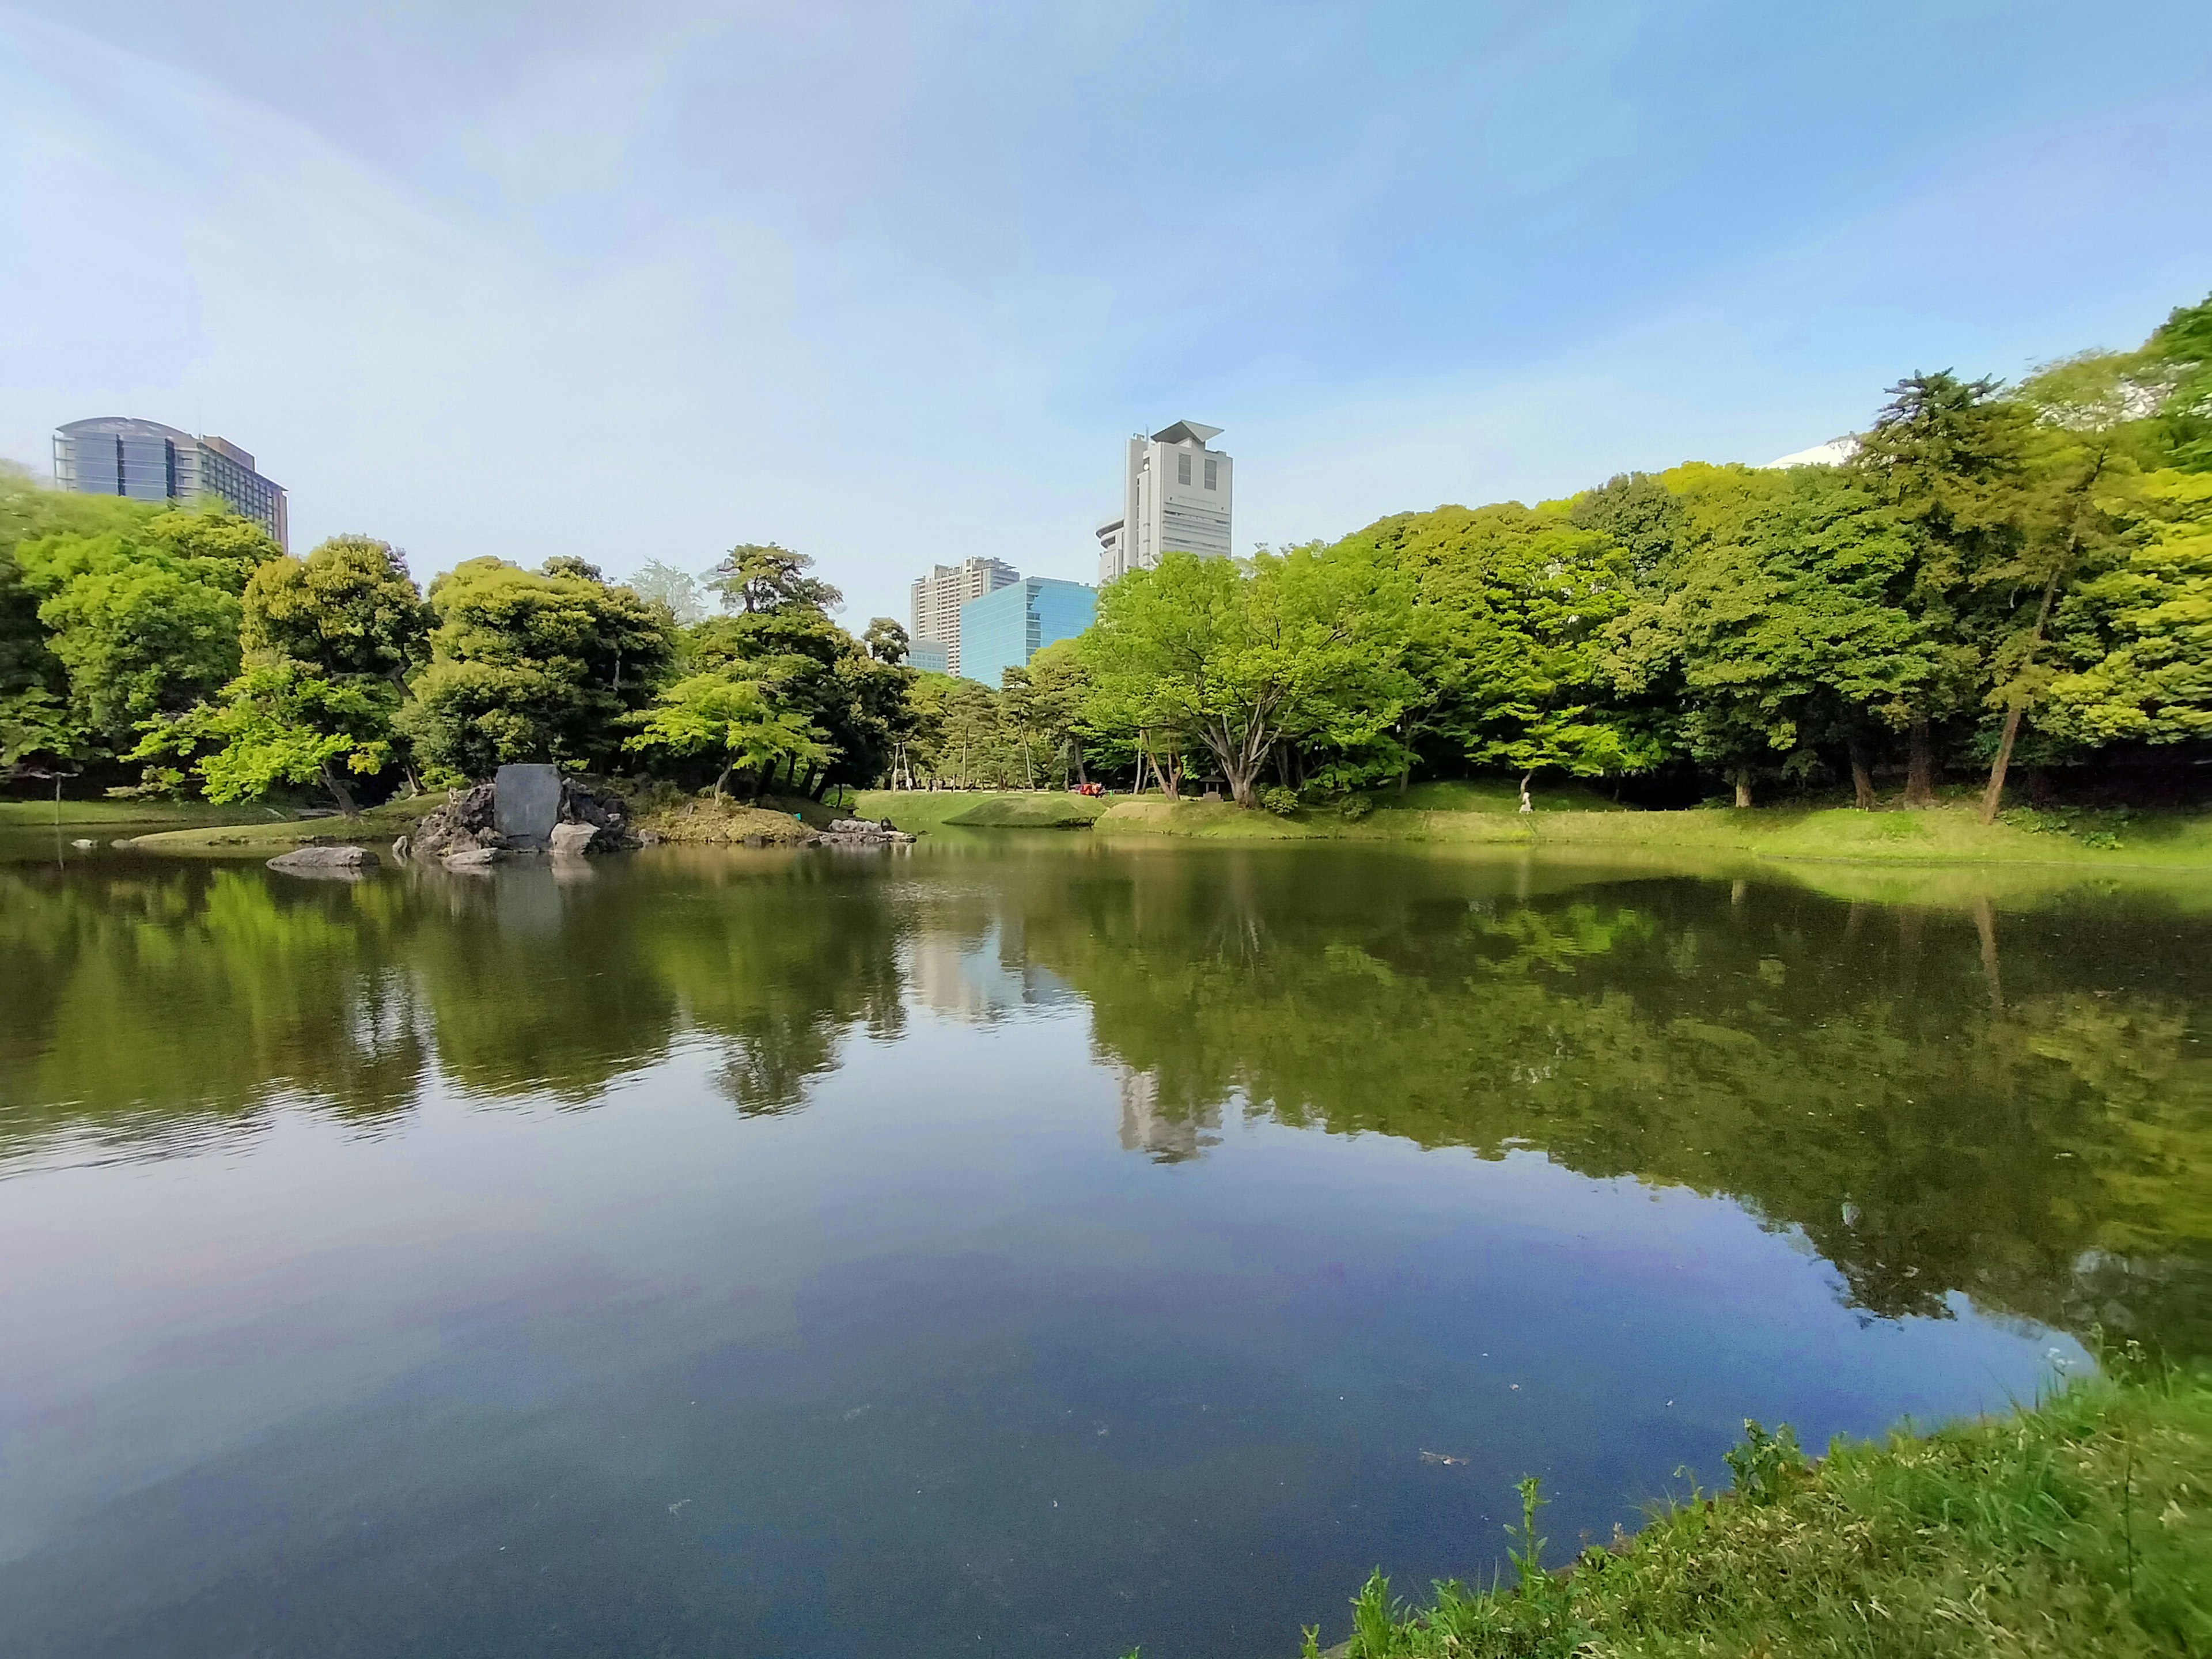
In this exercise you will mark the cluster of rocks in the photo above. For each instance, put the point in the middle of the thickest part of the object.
(861, 833)
(464, 834)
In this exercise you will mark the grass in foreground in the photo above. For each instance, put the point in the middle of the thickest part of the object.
(2080, 1528)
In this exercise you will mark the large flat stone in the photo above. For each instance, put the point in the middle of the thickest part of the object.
(526, 804)
(346, 863)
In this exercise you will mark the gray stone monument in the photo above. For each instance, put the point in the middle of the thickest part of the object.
(525, 804)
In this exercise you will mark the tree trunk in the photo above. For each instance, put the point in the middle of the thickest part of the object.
(1526, 803)
(723, 778)
(1742, 788)
(1919, 764)
(1283, 763)
(1075, 749)
(1862, 774)
(339, 792)
(1993, 795)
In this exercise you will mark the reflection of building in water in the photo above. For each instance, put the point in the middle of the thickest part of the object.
(977, 976)
(1167, 1137)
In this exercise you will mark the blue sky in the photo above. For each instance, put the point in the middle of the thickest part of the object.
(889, 283)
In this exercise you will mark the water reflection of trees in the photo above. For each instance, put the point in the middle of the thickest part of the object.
(144, 998)
(2011, 1102)
(2012, 1106)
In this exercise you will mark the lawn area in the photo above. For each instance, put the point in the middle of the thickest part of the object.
(36, 814)
(234, 839)
(1572, 816)
(2081, 1527)
(980, 809)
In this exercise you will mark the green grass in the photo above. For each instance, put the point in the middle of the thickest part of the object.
(1056, 810)
(2080, 1528)
(1573, 819)
(979, 809)
(35, 814)
(251, 840)
(1492, 795)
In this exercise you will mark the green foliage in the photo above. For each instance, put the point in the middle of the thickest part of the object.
(349, 607)
(1768, 625)
(1505, 635)
(1766, 1466)
(140, 629)
(737, 722)
(280, 723)
(1305, 645)
(2133, 643)
(2017, 1538)
(531, 667)
(886, 641)
(753, 578)
(1280, 801)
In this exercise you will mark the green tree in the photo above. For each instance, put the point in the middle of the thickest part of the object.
(349, 607)
(1768, 625)
(140, 629)
(737, 722)
(754, 577)
(1059, 693)
(886, 640)
(531, 667)
(1505, 639)
(2133, 643)
(2179, 356)
(282, 722)
(1304, 644)
(1949, 457)
(2079, 477)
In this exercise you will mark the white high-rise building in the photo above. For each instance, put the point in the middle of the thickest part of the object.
(1175, 499)
(938, 596)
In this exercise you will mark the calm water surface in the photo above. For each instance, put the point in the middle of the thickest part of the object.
(1021, 1247)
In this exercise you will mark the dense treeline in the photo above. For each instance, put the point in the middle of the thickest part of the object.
(170, 652)
(1998, 576)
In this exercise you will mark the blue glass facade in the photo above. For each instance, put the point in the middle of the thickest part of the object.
(1004, 629)
(929, 656)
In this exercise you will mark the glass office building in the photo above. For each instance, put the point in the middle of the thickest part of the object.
(146, 461)
(1005, 628)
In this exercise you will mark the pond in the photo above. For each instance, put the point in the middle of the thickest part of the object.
(1022, 1245)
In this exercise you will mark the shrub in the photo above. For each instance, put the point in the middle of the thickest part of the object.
(1280, 801)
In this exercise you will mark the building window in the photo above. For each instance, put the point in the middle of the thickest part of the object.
(1212, 473)
(1182, 467)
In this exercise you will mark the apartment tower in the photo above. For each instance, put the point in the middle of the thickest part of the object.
(938, 596)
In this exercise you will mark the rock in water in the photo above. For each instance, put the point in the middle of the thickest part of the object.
(855, 833)
(570, 840)
(474, 858)
(344, 862)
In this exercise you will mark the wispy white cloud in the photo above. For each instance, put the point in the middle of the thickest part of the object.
(889, 283)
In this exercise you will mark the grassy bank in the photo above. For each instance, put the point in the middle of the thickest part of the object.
(265, 838)
(35, 814)
(1572, 818)
(776, 821)
(2082, 1526)
(980, 809)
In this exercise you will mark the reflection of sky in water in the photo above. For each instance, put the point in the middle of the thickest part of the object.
(991, 1319)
